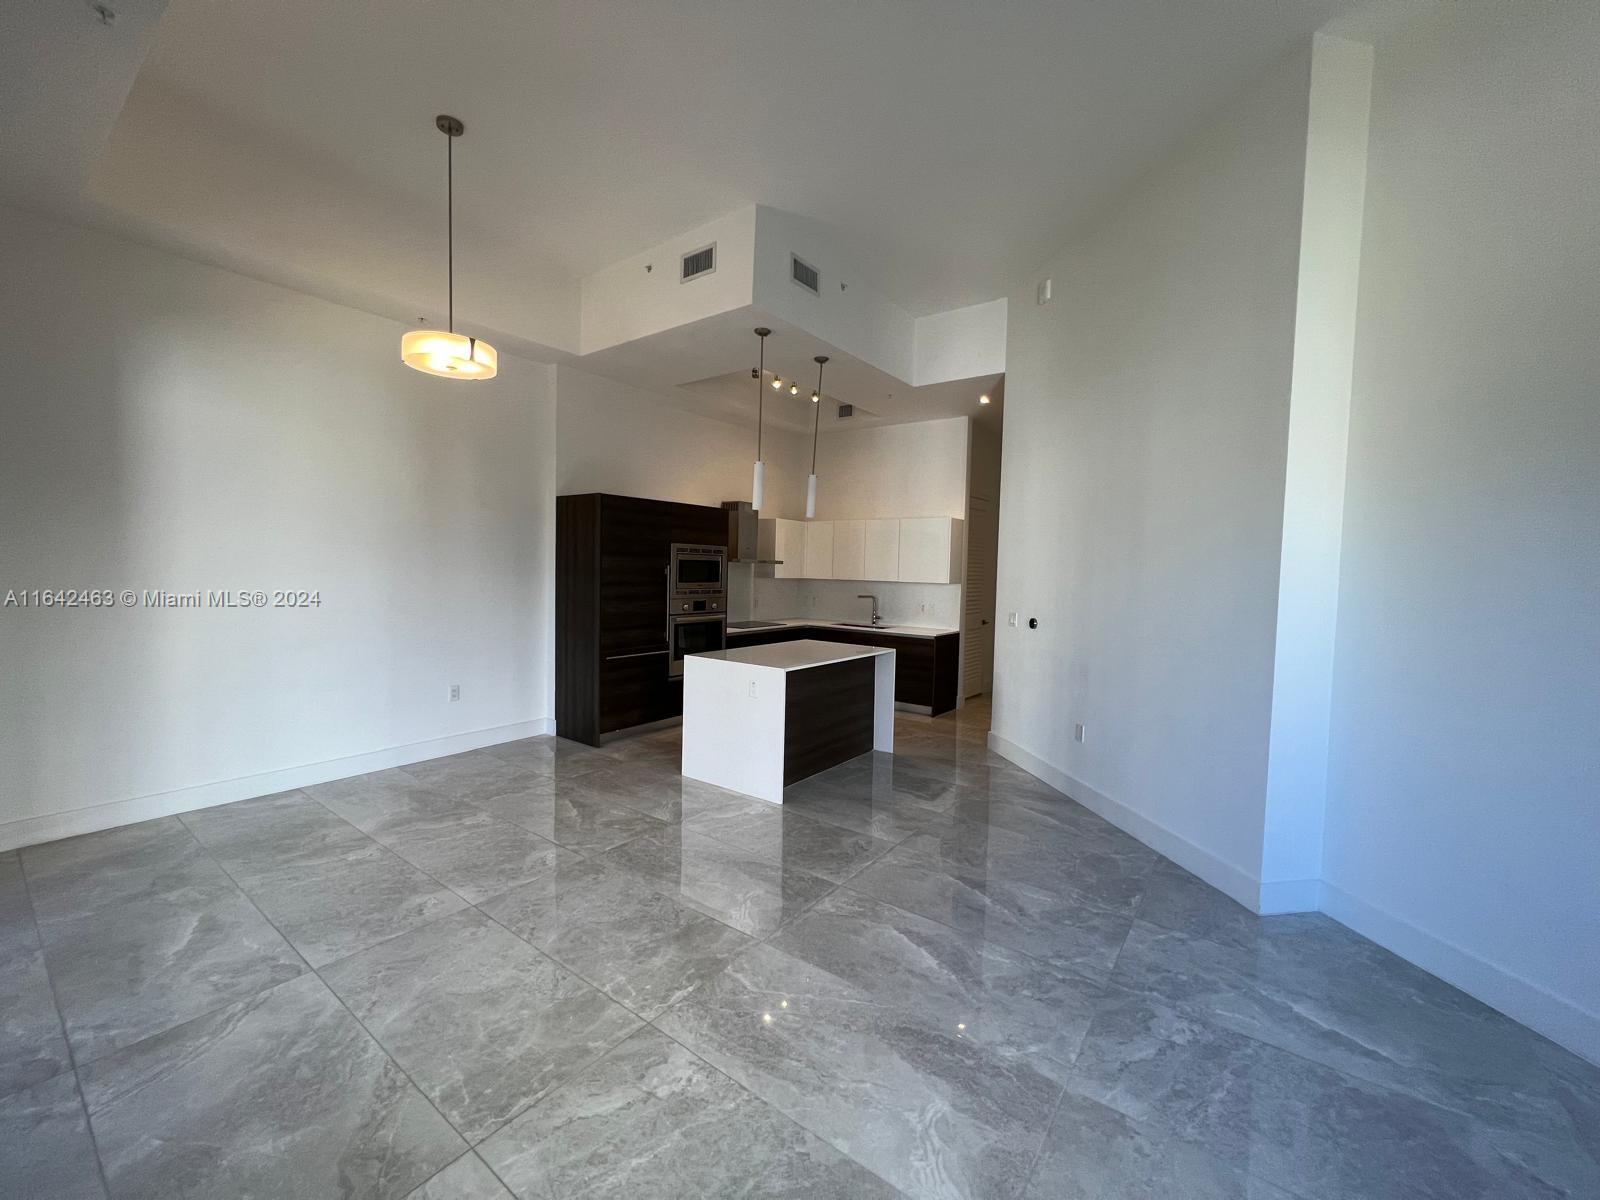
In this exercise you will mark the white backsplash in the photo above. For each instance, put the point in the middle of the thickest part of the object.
(937, 604)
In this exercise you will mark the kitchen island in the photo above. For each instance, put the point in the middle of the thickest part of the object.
(759, 718)
(927, 660)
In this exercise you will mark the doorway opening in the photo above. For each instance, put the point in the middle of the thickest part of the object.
(982, 550)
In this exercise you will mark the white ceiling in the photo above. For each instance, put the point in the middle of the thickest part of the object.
(687, 365)
(951, 142)
(732, 398)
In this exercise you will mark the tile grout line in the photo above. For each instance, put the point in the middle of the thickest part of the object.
(384, 1050)
(61, 1021)
(317, 972)
(768, 1104)
(1029, 955)
(1044, 1141)
(470, 906)
(783, 926)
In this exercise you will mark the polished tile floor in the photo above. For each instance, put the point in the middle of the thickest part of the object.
(544, 970)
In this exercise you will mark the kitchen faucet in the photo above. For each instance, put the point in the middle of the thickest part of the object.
(868, 596)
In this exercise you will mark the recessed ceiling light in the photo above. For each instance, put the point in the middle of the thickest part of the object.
(984, 399)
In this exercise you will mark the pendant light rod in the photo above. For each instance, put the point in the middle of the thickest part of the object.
(816, 424)
(758, 477)
(445, 352)
(452, 128)
(762, 332)
(450, 232)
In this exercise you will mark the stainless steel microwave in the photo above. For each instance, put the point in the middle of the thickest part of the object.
(698, 570)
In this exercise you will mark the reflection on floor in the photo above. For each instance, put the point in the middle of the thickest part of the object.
(547, 970)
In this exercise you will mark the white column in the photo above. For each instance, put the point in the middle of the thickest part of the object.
(1313, 503)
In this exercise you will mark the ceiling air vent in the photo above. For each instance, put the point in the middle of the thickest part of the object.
(847, 410)
(805, 274)
(698, 263)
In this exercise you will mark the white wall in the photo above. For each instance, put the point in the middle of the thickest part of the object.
(935, 605)
(615, 438)
(1142, 491)
(167, 425)
(267, 210)
(624, 301)
(913, 470)
(1314, 483)
(1464, 794)
(962, 343)
(857, 319)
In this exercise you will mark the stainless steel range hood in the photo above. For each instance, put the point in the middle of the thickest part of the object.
(744, 532)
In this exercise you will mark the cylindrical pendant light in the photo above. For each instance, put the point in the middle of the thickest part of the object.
(816, 426)
(759, 479)
(446, 353)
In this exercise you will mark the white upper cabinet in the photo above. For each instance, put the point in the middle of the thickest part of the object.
(881, 550)
(930, 550)
(789, 548)
(849, 550)
(819, 549)
(887, 550)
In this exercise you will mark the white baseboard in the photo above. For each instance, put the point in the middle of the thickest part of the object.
(1561, 1020)
(47, 827)
(1223, 876)
(1289, 896)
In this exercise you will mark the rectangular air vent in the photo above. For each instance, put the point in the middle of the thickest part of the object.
(700, 262)
(847, 410)
(805, 274)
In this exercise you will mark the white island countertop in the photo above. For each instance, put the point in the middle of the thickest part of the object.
(758, 719)
(794, 656)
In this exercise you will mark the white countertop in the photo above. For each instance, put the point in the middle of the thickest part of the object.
(793, 656)
(926, 631)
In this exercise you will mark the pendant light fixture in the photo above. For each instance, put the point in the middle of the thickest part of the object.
(446, 353)
(758, 482)
(816, 427)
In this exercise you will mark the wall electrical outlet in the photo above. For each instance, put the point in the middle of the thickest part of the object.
(752, 689)
(1011, 620)
(455, 691)
(1077, 733)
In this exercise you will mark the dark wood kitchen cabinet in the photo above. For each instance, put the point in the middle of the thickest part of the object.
(927, 670)
(612, 557)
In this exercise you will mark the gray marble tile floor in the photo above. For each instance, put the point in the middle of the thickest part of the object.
(549, 970)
